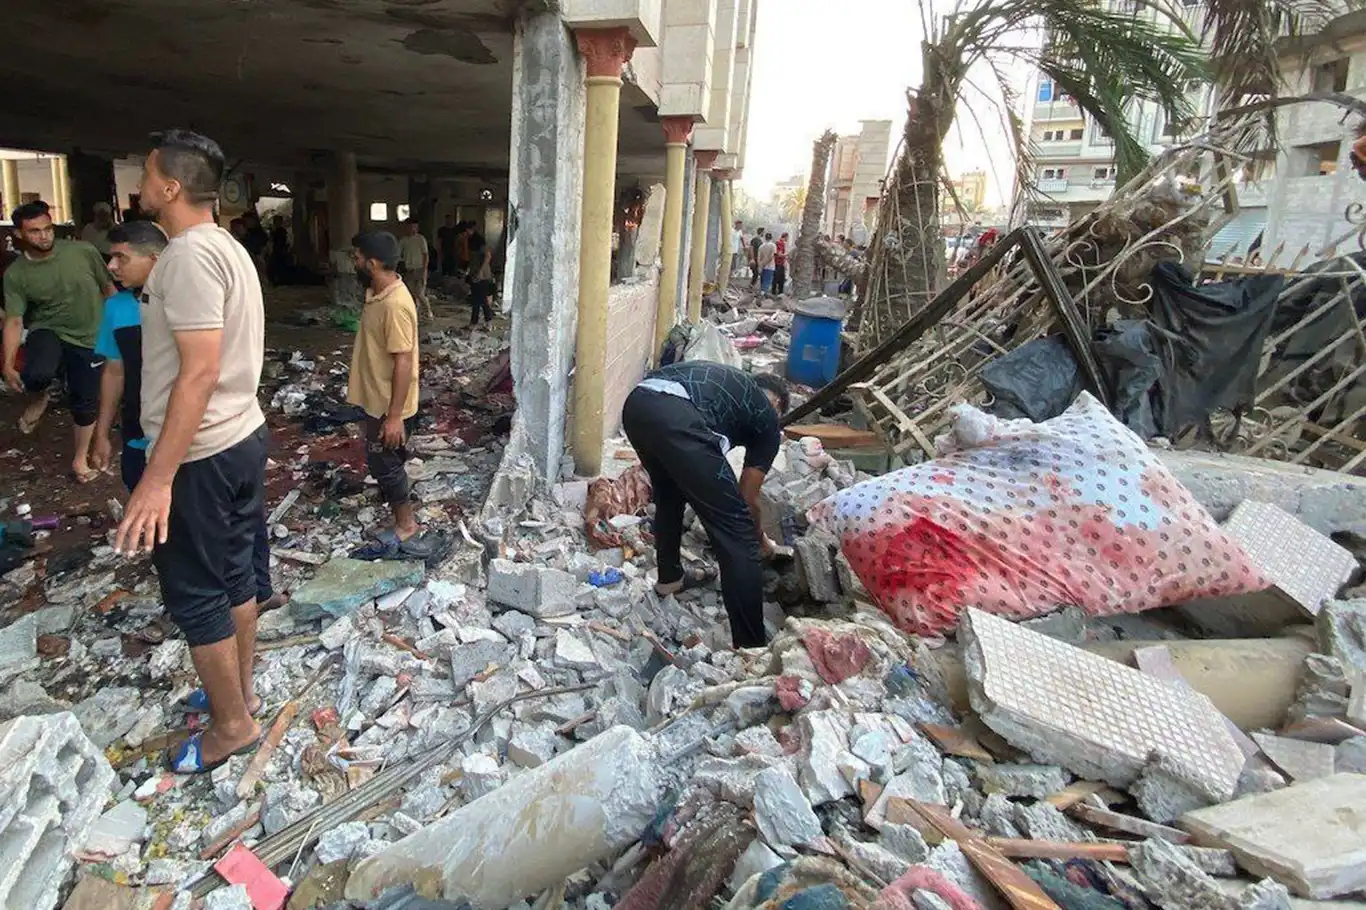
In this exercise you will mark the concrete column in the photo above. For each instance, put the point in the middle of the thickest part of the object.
(701, 208)
(605, 51)
(343, 223)
(677, 130)
(713, 231)
(727, 226)
(542, 274)
(9, 174)
(61, 190)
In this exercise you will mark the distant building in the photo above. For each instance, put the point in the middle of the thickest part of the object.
(858, 165)
(971, 190)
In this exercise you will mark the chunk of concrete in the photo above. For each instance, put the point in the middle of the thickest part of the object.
(1327, 501)
(1342, 632)
(531, 746)
(342, 586)
(538, 591)
(532, 832)
(1308, 836)
(1299, 759)
(19, 642)
(1010, 779)
(1350, 756)
(53, 784)
(108, 714)
(116, 830)
(1097, 718)
(757, 859)
(341, 842)
(825, 735)
(781, 811)
(1173, 882)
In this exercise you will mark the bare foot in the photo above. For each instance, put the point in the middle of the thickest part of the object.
(28, 421)
(275, 602)
(221, 740)
(83, 472)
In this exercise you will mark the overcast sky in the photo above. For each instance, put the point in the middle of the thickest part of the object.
(822, 64)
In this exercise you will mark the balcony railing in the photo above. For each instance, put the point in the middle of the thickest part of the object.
(1052, 184)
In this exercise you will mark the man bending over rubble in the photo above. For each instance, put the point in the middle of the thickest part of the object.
(682, 420)
(384, 384)
(198, 503)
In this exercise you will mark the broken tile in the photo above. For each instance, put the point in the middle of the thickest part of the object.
(1096, 717)
(1307, 836)
(1300, 760)
(1306, 567)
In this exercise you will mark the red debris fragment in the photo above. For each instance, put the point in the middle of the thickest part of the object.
(239, 866)
(793, 692)
(898, 895)
(324, 717)
(837, 657)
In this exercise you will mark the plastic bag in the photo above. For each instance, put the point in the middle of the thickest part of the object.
(1017, 518)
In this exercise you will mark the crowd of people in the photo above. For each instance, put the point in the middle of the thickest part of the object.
(163, 334)
(765, 257)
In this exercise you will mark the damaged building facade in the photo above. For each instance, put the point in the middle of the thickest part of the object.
(585, 139)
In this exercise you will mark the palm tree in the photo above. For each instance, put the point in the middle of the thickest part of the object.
(813, 207)
(792, 203)
(1102, 57)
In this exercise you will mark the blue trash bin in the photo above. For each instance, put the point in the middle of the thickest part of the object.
(814, 356)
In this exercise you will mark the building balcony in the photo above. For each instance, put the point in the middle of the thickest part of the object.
(1053, 148)
(1056, 110)
(1052, 185)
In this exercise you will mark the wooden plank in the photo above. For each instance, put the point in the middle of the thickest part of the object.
(233, 833)
(1118, 821)
(1074, 793)
(1016, 848)
(957, 741)
(834, 435)
(1018, 889)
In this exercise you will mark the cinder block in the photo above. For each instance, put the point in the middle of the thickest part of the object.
(53, 784)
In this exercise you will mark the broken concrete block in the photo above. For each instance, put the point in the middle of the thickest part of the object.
(1342, 632)
(480, 774)
(543, 825)
(949, 860)
(907, 842)
(341, 842)
(1009, 779)
(108, 714)
(1350, 756)
(468, 661)
(19, 642)
(512, 623)
(1041, 821)
(344, 585)
(168, 657)
(23, 697)
(233, 897)
(116, 830)
(1323, 691)
(1266, 894)
(53, 784)
(1307, 836)
(815, 559)
(1305, 567)
(781, 812)
(1097, 718)
(338, 633)
(573, 652)
(1163, 795)
(1173, 882)
(825, 734)
(1299, 759)
(535, 590)
(531, 746)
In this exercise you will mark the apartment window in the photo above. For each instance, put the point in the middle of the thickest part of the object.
(1173, 128)
(1319, 159)
(1104, 173)
(1126, 6)
(1075, 134)
(1331, 76)
(379, 211)
(1046, 90)
(402, 212)
(1054, 173)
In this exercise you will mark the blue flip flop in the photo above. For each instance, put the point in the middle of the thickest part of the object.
(188, 757)
(197, 702)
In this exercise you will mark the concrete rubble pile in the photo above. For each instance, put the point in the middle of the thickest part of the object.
(524, 723)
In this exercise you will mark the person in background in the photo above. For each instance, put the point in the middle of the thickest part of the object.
(277, 269)
(462, 246)
(768, 252)
(384, 384)
(737, 246)
(481, 280)
(682, 419)
(199, 501)
(780, 264)
(415, 255)
(55, 288)
(135, 248)
(96, 233)
(754, 243)
(445, 245)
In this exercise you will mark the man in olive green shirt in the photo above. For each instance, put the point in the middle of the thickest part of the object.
(56, 289)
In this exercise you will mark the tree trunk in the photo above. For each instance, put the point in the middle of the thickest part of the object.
(907, 252)
(804, 258)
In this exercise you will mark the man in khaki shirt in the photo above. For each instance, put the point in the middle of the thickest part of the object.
(384, 383)
(198, 504)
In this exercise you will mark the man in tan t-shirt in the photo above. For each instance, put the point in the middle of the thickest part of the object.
(383, 383)
(198, 504)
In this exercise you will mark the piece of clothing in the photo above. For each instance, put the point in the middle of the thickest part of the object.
(766, 280)
(387, 464)
(737, 241)
(413, 251)
(780, 252)
(97, 237)
(767, 254)
(732, 404)
(207, 564)
(256, 240)
(205, 280)
(445, 241)
(734, 262)
(481, 269)
(677, 448)
(63, 292)
(417, 284)
(120, 338)
(779, 278)
(480, 292)
(388, 326)
(46, 357)
(132, 465)
(754, 243)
